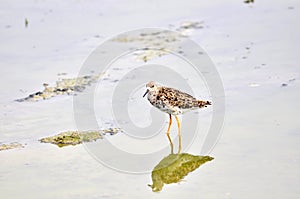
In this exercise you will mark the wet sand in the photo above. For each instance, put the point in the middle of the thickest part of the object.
(254, 47)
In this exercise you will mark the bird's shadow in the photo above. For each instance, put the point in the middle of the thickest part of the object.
(174, 167)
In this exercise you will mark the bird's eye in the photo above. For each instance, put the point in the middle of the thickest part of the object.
(151, 86)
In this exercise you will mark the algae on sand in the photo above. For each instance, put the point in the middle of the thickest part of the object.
(13, 145)
(67, 86)
(160, 42)
(78, 137)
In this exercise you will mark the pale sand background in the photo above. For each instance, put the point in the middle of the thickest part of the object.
(258, 153)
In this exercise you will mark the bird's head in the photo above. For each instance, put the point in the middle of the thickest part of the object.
(151, 86)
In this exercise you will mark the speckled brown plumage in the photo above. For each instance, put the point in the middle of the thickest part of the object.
(171, 100)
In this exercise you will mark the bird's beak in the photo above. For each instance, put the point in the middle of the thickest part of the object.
(146, 92)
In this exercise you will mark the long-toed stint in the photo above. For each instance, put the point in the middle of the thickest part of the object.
(173, 102)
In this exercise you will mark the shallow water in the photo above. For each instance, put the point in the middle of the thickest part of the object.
(254, 47)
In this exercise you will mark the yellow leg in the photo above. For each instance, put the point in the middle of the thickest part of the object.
(168, 133)
(179, 134)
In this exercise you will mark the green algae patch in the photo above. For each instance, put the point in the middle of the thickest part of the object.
(77, 137)
(13, 145)
(72, 138)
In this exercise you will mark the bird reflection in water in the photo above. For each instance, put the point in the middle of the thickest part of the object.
(174, 168)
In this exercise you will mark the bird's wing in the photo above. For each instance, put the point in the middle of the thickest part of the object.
(177, 98)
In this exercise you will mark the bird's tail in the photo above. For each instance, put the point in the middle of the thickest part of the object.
(202, 104)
